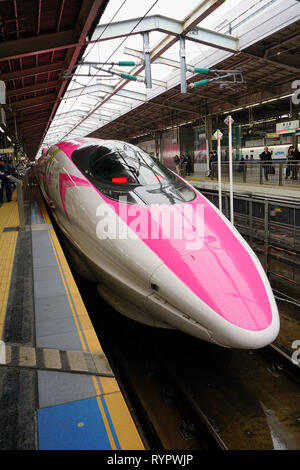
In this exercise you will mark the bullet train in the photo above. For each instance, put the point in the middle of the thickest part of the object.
(159, 251)
(279, 152)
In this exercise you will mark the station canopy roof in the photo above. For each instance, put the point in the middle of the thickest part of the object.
(38, 40)
(259, 37)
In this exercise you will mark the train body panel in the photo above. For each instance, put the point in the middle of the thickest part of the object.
(198, 277)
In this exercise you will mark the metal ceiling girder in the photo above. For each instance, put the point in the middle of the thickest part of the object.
(33, 88)
(40, 124)
(17, 48)
(74, 112)
(55, 131)
(169, 26)
(33, 102)
(106, 89)
(110, 110)
(290, 61)
(204, 9)
(55, 124)
(32, 71)
(159, 60)
(155, 81)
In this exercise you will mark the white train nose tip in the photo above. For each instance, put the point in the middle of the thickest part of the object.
(235, 311)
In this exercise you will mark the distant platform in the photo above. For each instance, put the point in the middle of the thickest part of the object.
(266, 189)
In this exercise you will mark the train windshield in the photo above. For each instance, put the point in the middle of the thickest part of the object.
(130, 172)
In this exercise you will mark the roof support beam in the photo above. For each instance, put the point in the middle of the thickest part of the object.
(39, 124)
(33, 102)
(289, 61)
(33, 71)
(74, 112)
(30, 117)
(101, 87)
(169, 26)
(175, 108)
(32, 89)
(38, 44)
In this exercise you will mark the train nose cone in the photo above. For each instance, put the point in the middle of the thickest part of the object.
(225, 294)
(230, 284)
(222, 286)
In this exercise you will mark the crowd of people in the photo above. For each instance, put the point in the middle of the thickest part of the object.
(293, 162)
(183, 164)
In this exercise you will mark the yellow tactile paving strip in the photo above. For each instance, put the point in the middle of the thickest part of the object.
(125, 429)
(9, 217)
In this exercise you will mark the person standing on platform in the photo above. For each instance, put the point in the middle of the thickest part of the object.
(188, 165)
(214, 161)
(5, 171)
(289, 165)
(182, 163)
(209, 163)
(294, 161)
(266, 158)
(177, 164)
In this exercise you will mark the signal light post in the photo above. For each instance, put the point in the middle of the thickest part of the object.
(218, 135)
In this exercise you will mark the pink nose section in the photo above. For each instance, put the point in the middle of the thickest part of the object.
(231, 285)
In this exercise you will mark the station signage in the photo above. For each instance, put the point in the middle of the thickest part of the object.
(287, 127)
(271, 135)
(217, 134)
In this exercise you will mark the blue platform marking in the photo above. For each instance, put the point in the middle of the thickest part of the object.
(72, 426)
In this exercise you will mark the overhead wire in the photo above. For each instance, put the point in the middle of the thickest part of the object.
(122, 42)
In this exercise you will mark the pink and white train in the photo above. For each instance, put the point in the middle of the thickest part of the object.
(203, 279)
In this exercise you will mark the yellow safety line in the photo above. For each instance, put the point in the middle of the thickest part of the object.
(104, 417)
(8, 241)
(126, 431)
(9, 217)
(68, 296)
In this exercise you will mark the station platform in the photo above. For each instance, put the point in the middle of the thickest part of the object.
(57, 388)
(291, 192)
